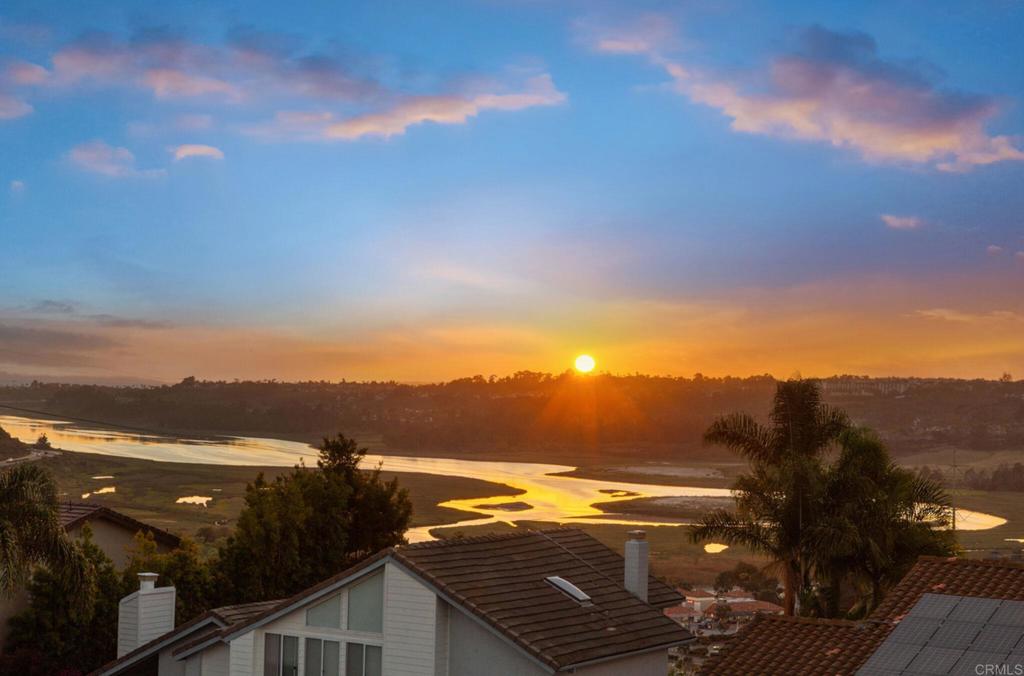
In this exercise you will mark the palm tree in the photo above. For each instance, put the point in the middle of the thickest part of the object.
(30, 531)
(906, 513)
(775, 502)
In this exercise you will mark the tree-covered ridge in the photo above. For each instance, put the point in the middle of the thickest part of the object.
(529, 409)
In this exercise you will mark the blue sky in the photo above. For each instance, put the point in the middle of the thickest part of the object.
(428, 190)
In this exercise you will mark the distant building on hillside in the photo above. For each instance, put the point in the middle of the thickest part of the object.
(522, 604)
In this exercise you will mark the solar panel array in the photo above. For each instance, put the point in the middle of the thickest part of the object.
(959, 635)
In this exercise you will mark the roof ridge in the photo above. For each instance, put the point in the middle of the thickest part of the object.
(962, 561)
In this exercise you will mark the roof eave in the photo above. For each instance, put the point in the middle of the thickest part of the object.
(631, 653)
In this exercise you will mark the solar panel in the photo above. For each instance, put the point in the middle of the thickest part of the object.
(974, 609)
(996, 638)
(934, 606)
(890, 658)
(914, 630)
(1009, 612)
(957, 635)
(932, 660)
(972, 659)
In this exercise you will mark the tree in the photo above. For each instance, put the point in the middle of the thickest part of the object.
(182, 568)
(30, 532)
(61, 632)
(774, 501)
(859, 519)
(907, 513)
(750, 579)
(310, 524)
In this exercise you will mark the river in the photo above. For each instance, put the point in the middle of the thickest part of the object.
(546, 496)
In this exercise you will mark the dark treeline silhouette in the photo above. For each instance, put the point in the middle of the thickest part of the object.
(662, 415)
(1002, 478)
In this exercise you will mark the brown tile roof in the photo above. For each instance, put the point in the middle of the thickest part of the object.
(785, 645)
(996, 579)
(659, 594)
(206, 624)
(501, 580)
(773, 645)
(72, 514)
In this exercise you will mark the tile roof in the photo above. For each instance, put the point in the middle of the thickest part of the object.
(778, 645)
(70, 514)
(206, 624)
(501, 580)
(997, 579)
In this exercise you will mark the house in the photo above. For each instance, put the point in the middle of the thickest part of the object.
(742, 610)
(521, 604)
(946, 616)
(112, 532)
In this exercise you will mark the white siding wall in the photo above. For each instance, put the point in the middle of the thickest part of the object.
(194, 665)
(128, 624)
(215, 660)
(167, 665)
(242, 654)
(156, 613)
(649, 664)
(441, 638)
(475, 650)
(409, 620)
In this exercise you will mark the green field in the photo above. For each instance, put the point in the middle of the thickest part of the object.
(147, 490)
(1007, 504)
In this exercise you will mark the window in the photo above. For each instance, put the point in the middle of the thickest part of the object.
(323, 658)
(280, 655)
(366, 605)
(325, 614)
(363, 660)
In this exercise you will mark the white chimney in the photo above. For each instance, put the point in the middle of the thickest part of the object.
(636, 564)
(144, 615)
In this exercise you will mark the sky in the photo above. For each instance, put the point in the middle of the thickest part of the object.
(423, 191)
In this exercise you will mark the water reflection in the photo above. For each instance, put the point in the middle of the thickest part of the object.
(546, 497)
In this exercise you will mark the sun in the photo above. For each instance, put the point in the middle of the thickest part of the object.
(585, 363)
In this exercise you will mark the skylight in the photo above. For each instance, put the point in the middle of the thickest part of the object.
(570, 590)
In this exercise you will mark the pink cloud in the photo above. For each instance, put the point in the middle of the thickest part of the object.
(12, 107)
(169, 83)
(648, 34)
(993, 250)
(25, 73)
(197, 150)
(902, 222)
(539, 91)
(1019, 256)
(99, 158)
(835, 89)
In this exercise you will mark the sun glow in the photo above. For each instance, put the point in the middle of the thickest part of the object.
(585, 363)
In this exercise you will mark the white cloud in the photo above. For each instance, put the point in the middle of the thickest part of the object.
(902, 222)
(197, 150)
(100, 158)
(11, 107)
(17, 186)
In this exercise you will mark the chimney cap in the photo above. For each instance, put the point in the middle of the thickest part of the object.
(637, 535)
(149, 576)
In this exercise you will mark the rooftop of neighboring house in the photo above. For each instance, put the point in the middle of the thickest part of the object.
(953, 612)
(72, 514)
(503, 581)
(746, 607)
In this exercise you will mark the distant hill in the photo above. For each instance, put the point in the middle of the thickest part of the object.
(600, 415)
